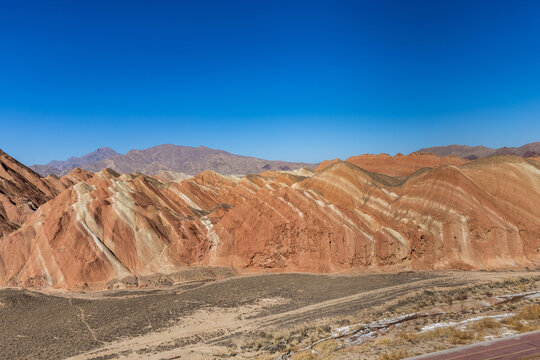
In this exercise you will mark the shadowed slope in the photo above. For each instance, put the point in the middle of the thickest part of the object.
(22, 191)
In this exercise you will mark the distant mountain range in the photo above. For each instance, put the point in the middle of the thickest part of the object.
(60, 168)
(186, 160)
(167, 158)
(476, 152)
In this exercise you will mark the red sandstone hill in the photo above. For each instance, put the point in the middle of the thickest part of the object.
(398, 165)
(107, 227)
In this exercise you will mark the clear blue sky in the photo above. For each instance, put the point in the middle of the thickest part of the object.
(292, 80)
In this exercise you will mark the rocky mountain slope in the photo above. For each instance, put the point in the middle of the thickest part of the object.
(110, 227)
(476, 152)
(22, 191)
(168, 159)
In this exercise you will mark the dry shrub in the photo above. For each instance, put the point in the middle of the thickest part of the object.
(521, 322)
(485, 324)
(325, 329)
(410, 336)
(395, 355)
(322, 351)
(265, 357)
(385, 341)
(529, 312)
(453, 335)
(457, 336)
(515, 324)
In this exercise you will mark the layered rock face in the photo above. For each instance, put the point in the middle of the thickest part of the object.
(105, 226)
(22, 191)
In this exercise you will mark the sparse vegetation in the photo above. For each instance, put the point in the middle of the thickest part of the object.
(452, 334)
(529, 312)
(487, 324)
(462, 303)
(395, 355)
(528, 319)
(321, 351)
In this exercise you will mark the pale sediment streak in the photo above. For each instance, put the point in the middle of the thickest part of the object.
(151, 252)
(43, 266)
(294, 208)
(83, 197)
(443, 325)
(396, 235)
(212, 236)
(57, 271)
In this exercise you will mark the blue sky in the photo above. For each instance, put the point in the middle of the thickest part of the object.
(291, 80)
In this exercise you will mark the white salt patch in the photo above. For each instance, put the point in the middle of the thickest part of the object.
(441, 325)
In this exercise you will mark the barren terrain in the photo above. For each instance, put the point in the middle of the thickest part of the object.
(238, 317)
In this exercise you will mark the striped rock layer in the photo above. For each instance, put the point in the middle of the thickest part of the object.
(397, 165)
(105, 226)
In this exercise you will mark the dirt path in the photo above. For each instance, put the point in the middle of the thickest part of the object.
(92, 332)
